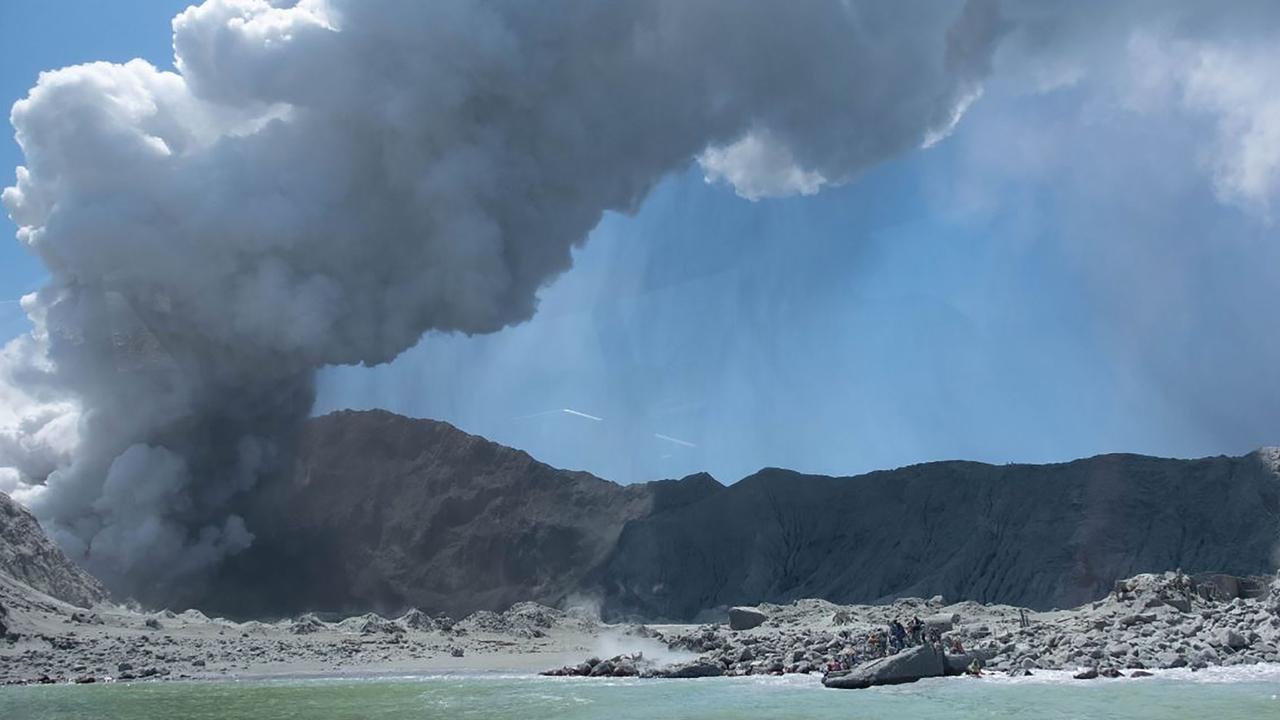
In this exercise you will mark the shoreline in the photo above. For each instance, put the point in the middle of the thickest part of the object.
(1151, 623)
(1262, 672)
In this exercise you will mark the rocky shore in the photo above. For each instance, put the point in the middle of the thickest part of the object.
(1147, 622)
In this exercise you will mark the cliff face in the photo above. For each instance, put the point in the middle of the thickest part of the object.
(28, 556)
(1035, 535)
(386, 512)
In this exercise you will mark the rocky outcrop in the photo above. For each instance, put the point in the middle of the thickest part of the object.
(745, 618)
(1217, 586)
(624, 665)
(29, 557)
(922, 661)
(693, 669)
(1151, 621)
(1143, 624)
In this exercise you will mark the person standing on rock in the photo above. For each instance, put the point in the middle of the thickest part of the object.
(935, 636)
(899, 634)
(914, 629)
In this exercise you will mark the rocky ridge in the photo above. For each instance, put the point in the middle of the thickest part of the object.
(1039, 536)
(386, 513)
(29, 557)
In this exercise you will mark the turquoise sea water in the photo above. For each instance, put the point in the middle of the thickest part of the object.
(1250, 695)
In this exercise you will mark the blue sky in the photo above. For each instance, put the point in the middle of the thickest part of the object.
(1056, 279)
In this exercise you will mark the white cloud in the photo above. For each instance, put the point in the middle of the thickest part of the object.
(759, 167)
(1241, 91)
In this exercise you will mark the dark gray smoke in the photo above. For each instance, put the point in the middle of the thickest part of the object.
(321, 182)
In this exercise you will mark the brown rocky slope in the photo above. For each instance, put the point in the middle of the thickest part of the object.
(386, 512)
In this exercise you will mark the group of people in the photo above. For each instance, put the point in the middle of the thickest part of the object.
(890, 641)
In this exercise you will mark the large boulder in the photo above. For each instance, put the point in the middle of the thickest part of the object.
(1229, 638)
(693, 669)
(922, 661)
(745, 618)
(942, 622)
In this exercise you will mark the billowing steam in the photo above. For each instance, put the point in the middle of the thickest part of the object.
(321, 182)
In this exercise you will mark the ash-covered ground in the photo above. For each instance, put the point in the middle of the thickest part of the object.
(1150, 622)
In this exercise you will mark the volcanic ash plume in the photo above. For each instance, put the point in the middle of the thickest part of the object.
(322, 182)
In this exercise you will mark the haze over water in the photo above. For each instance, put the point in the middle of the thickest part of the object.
(1224, 694)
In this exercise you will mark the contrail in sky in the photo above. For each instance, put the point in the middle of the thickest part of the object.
(566, 411)
(677, 441)
(531, 416)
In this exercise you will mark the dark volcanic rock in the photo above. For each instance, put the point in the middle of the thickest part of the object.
(386, 512)
(1033, 535)
(745, 618)
(692, 669)
(30, 557)
(922, 661)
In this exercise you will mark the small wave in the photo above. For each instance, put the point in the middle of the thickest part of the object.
(1261, 672)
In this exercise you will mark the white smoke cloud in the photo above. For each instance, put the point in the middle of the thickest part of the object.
(757, 167)
(1237, 89)
(321, 182)
(1168, 59)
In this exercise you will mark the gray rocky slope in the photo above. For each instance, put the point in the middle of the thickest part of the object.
(29, 557)
(386, 513)
(1038, 536)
